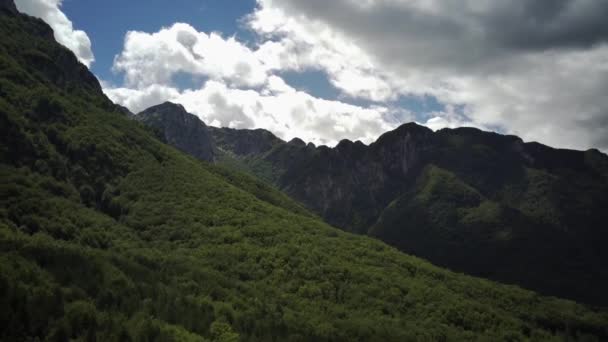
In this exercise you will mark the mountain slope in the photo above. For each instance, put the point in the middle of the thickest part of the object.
(169, 121)
(537, 218)
(108, 234)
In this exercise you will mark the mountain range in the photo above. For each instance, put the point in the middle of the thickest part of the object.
(109, 233)
(476, 202)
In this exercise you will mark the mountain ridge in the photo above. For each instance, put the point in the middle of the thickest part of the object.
(353, 185)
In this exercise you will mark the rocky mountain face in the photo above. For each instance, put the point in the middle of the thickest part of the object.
(477, 202)
(180, 129)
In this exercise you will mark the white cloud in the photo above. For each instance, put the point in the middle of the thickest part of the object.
(241, 90)
(139, 99)
(450, 117)
(536, 69)
(277, 107)
(50, 12)
(155, 58)
(286, 112)
(301, 45)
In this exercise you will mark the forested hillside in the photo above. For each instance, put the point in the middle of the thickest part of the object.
(108, 234)
(476, 202)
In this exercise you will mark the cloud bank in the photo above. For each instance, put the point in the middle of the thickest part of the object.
(239, 88)
(538, 69)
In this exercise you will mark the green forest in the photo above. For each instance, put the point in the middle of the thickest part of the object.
(107, 234)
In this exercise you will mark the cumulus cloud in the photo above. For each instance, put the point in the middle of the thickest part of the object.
(155, 58)
(297, 44)
(451, 33)
(139, 99)
(287, 112)
(533, 68)
(241, 89)
(49, 11)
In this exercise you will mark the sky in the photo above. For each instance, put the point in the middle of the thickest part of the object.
(352, 69)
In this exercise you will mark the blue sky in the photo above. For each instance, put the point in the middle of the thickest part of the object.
(324, 71)
(208, 16)
(106, 22)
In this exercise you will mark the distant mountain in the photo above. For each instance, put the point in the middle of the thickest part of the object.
(474, 201)
(108, 234)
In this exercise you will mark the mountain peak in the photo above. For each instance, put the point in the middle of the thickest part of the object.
(297, 142)
(172, 111)
(179, 128)
(412, 127)
(165, 107)
(406, 129)
(343, 143)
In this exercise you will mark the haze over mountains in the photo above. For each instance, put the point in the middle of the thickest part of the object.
(108, 233)
(473, 201)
